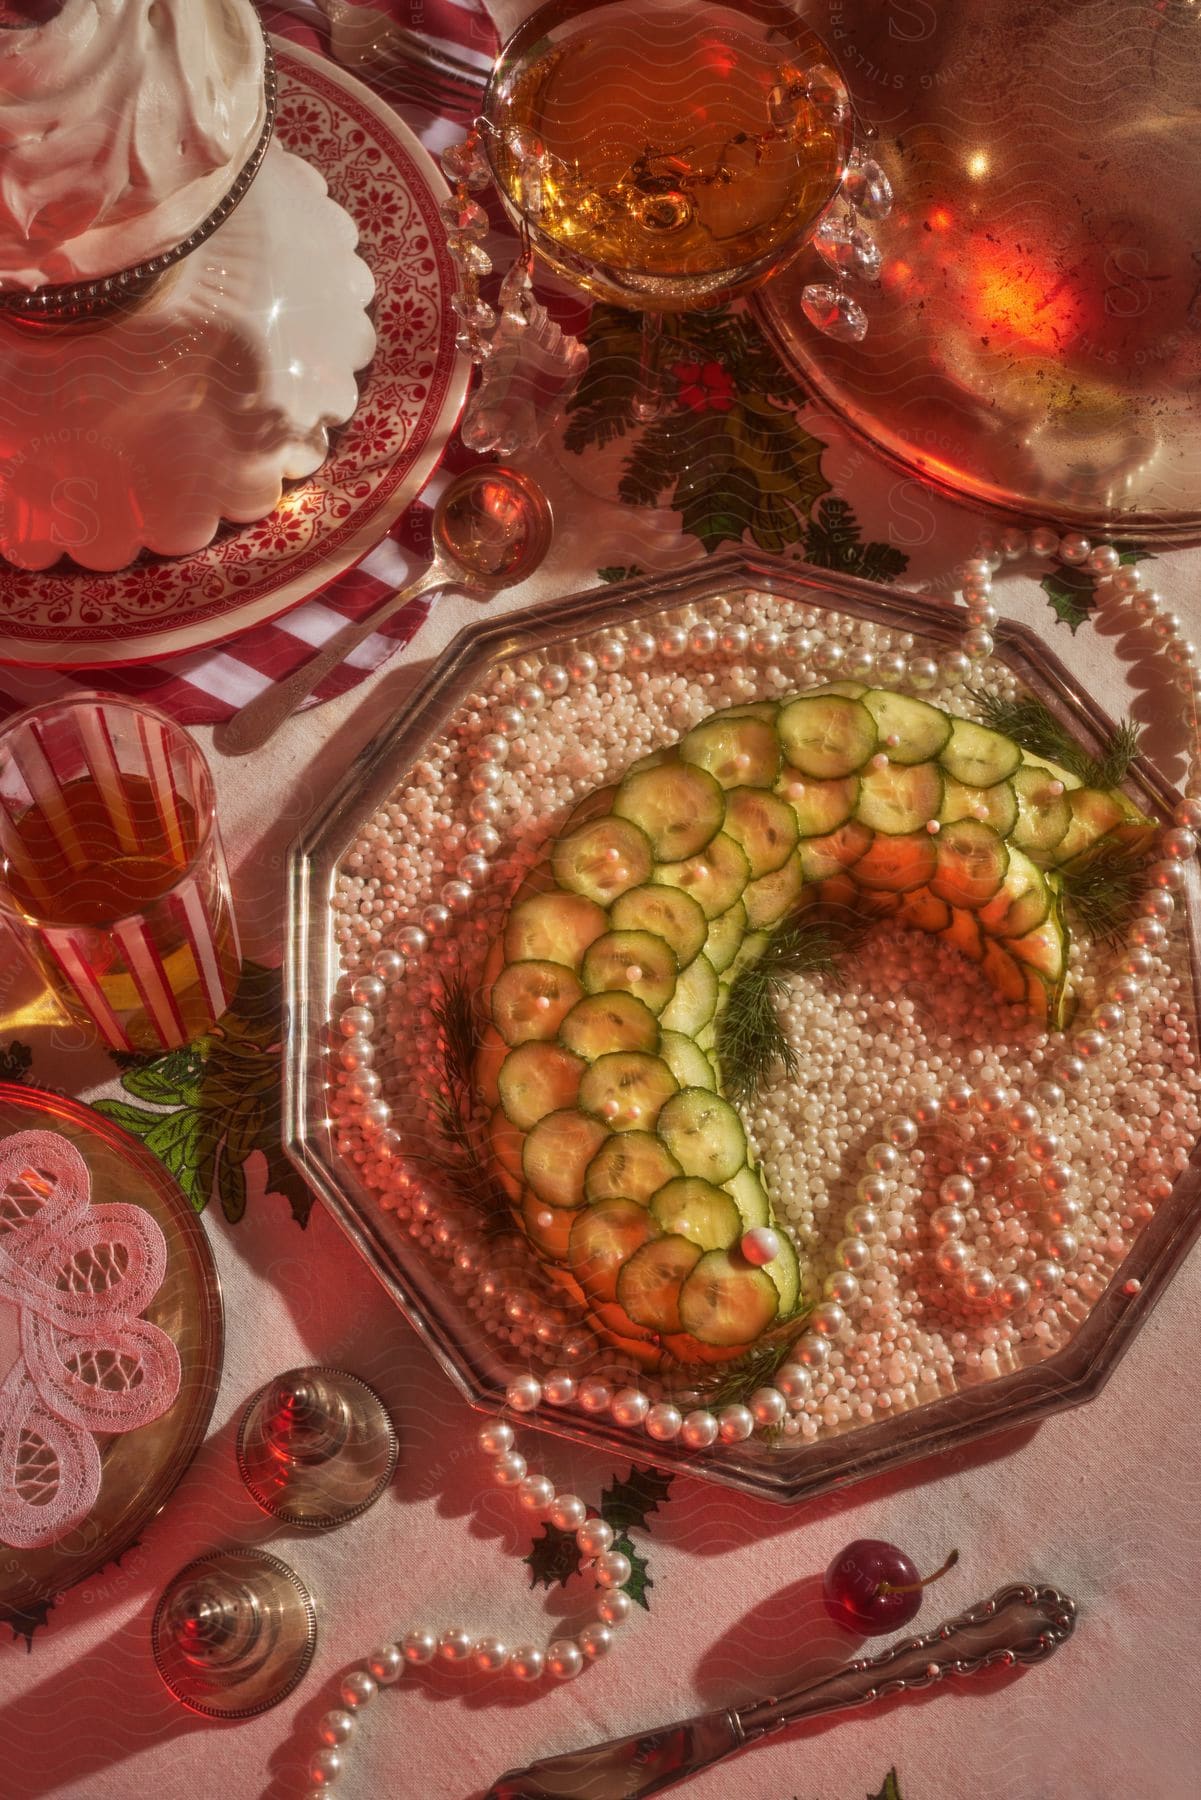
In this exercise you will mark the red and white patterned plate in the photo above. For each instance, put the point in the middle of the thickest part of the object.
(412, 395)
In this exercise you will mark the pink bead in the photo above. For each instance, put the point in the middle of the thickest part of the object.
(760, 1245)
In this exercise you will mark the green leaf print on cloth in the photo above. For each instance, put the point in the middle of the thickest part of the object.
(555, 1557)
(205, 1108)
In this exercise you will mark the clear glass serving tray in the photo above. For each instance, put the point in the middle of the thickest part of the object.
(435, 725)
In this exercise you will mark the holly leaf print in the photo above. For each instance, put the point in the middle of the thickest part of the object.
(554, 1557)
(1072, 591)
(890, 1790)
(833, 540)
(615, 572)
(16, 1060)
(640, 1582)
(627, 1503)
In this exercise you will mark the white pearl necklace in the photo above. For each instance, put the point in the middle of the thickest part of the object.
(563, 1658)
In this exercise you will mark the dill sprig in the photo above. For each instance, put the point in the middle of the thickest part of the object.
(1035, 728)
(736, 1382)
(459, 1157)
(750, 1038)
(1101, 888)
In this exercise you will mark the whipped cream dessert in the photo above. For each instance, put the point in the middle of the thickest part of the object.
(123, 123)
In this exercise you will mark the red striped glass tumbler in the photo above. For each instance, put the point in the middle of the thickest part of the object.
(113, 874)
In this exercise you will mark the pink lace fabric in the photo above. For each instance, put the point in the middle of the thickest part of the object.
(78, 1275)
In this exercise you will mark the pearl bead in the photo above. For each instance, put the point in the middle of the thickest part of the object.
(958, 1098)
(673, 641)
(595, 1395)
(1056, 1177)
(485, 777)
(559, 1389)
(863, 1221)
(903, 1132)
(435, 918)
(325, 1767)
(1188, 815)
(524, 1394)
(509, 1470)
(594, 1537)
(509, 721)
(1104, 560)
(794, 1382)
(1148, 934)
(581, 666)
(564, 1659)
(1049, 1093)
(336, 1726)
(490, 1654)
(640, 646)
(956, 1190)
(1179, 843)
(457, 895)
(702, 640)
(1062, 1246)
(630, 1406)
(1022, 1118)
(952, 1258)
(1157, 906)
(473, 869)
(859, 662)
(1013, 1292)
(976, 1164)
(735, 1423)
(733, 639)
(699, 1430)
(983, 614)
(854, 1254)
(766, 640)
(1044, 1147)
(595, 1640)
(355, 1023)
(1168, 874)
(663, 1422)
(872, 1190)
(1073, 548)
(978, 643)
(495, 1439)
(358, 1689)
(568, 1512)
(455, 1645)
(368, 991)
(612, 1569)
(1044, 542)
(528, 697)
(614, 1607)
(947, 1222)
(418, 1645)
(1045, 1277)
(890, 667)
(841, 1285)
(536, 1492)
(883, 1158)
(760, 1245)
(1109, 1017)
(356, 1053)
(955, 667)
(527, 1662)
(1062, 1209)
(610, 654)
(812, 1350)
(827, 1319)
(578, 1343)
(828, 657)
(386, 1664)
(767, 1406)
(980, 1283)
(1070, 1069)
(922, 672)
(1089, 1045)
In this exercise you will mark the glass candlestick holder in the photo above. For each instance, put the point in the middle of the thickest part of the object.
(234, 1633)
(316, 1447)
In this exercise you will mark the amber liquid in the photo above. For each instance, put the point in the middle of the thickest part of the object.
(81, 862)
(678, 155)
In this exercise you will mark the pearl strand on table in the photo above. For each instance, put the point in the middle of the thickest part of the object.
(563, 1658)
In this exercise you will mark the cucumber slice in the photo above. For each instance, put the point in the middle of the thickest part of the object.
(827, 735)
(670, 913)
(820, 806)
(695, 999)
(596, 805)
(1044, 812)
(851, 690)
(1022, 902)
(548, 1228)
(821, 857)
(490, 1058)
(556, 1154)
(1094, 815)
(1004, 973)
(910, 731)
(602, 859)
(897, 864)
(648, 1286)
(536, 1079)
(736, 752)
(965, 935)
(554, 927)
(654, 759)
(678, 807)
(1049, 1002)
(531, 999)
(704, 1134)
(972, 861)
(785, 1272)
(697, 1210)
(632, 1166)
(1055, 770)
(715, 877)
(492, 967)
(924, 911)
(752, 948)
(621, 1331)
(879, 903)
(996, 806)
(898, 798)
(626, 1089)
(764, 826)
(748, 709)
(613, 1021)
(725, 1301)
(631, 962)
(687, 1061)
(506, 1144)
(726, 933)
(750, 1197)
(773, 897)
(1044, 948)
(977, 756)
(603, 1238)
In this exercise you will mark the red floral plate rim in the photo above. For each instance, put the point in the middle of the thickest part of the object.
(160, 606)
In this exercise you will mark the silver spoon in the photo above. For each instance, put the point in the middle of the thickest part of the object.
(491, 528)
(1019, 1624)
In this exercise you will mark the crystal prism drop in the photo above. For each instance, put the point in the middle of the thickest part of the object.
(833, 313)
(828, 92)
(528, 376)
(473, 312)
(465, 163)
(868, 189)
(513, 290)
(526, 146)
(469, 255)
(783, 103)
(848, 249)
(467, 217)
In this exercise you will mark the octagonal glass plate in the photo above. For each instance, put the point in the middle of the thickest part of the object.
(459, 699)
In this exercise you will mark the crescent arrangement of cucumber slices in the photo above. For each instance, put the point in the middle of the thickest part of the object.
(626, 1168)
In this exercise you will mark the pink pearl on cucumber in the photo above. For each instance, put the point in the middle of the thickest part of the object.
(760, 1245)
